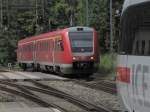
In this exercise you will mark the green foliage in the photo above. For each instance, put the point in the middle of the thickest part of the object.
(50, 15)
(98, 19)
(107, 63)
(7, 47)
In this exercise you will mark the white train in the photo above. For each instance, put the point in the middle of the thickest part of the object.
(133, 68)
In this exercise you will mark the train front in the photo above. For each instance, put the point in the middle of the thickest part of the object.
(84, 50)
(133, 68)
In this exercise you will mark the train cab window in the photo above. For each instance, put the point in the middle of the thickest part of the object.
(81, 41)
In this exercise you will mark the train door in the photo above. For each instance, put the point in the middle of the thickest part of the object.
(34, 52)
(53, 52)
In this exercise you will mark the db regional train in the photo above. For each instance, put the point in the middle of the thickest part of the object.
(72, 50)
(133, 68)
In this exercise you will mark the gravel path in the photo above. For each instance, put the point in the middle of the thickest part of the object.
(94, 96)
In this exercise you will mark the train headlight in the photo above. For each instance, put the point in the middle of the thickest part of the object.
(74, 58)
(92, 58)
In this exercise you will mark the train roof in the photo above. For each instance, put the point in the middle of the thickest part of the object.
(70, 29)
(130, 3)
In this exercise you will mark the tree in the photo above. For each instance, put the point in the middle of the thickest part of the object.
(25, 18)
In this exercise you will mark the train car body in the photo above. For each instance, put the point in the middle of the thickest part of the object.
(68, 51)
(133, 68)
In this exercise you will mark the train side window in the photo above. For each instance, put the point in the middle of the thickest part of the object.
(51, 45)
(135, 50)
(61, 45)
(143, 47)
(43, 46)
(46, 46)
(40, 46)
(137, 47)
(25, 48)
(29, 48)
(55, 45)
(149, 47)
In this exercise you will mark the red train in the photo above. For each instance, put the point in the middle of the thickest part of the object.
(72, 50)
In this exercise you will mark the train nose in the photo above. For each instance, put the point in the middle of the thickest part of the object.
(83, 65)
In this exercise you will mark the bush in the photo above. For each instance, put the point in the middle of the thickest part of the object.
(107, 63)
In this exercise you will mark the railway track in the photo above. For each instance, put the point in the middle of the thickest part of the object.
(45, 89)
(28, 95)
(83, 104)
(8, 84)
(102, 85)
(51, 91)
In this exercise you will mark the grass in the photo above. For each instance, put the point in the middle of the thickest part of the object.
(107, 65)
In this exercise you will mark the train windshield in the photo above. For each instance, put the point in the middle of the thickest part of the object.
(81, 41)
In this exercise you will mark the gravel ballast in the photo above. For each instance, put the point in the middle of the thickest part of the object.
(96, 97)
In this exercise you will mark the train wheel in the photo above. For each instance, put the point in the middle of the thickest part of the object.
(58, 71)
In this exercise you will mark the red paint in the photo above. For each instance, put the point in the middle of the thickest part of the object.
(61, 57)
(123, 74)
